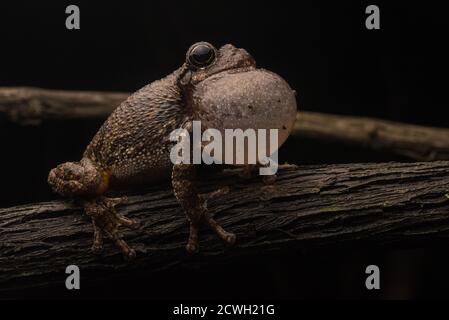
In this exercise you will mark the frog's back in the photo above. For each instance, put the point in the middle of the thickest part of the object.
(133, 144)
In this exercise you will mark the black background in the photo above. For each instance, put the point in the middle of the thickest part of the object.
(321, 48)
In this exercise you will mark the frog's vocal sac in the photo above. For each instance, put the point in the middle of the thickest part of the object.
(222, 88)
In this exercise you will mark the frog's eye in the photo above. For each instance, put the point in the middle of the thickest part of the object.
(201, 55)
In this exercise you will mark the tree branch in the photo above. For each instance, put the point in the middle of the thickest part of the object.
(32, 106)
(307, 206)
(412, 141)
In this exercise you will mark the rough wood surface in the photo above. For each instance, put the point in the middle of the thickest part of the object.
(32, 106)
(308, 206)
(415, 142)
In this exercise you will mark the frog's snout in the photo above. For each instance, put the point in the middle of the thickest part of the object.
(233, 57)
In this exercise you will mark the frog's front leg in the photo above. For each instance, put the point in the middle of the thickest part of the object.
(106, 222)
(195, 205)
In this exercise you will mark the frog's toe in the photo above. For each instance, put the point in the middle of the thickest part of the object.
(135, 224)
(230, 238)
(129, 223)
(192, 245)
(130, 255)
(192, 248)
(128, 252)
(96, 249)
(226, 236)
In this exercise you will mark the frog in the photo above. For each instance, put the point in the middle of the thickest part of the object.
(222, 88)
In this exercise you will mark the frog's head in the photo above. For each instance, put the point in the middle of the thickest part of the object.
(225, 90)
(204, 60)
(74, 179)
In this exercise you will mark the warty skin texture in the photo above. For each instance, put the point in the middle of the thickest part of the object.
(133, 145)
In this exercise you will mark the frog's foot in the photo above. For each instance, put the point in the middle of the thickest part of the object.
(106, 222)
(195, 205)
(193, 243)
(202, 217)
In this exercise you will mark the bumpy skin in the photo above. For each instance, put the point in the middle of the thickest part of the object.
(133, 145)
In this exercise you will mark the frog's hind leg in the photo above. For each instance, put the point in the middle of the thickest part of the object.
(195, 205)
(106, 222)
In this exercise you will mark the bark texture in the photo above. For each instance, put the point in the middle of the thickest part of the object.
(308, 206)
(412, 141)
(32, 106)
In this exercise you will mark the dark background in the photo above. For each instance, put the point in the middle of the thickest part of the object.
(321, 48)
